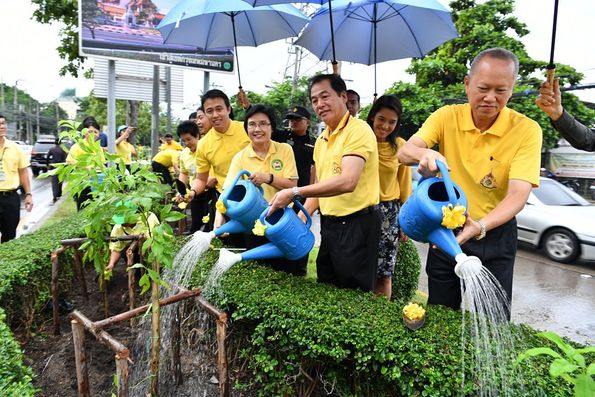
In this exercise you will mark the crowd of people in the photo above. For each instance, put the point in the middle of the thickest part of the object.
(356, 174)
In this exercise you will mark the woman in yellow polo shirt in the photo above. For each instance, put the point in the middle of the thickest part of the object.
(395, 186)
(272, 166)
(124, 148)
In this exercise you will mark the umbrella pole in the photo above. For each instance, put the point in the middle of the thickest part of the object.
(375, 55)
(551, 68)
(330, 16)
(242, 98)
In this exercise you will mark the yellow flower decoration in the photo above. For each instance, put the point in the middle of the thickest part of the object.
(413, 311)
(182, 205)
(205, 219)
(220, 207)
(453, 217)
(259, 228)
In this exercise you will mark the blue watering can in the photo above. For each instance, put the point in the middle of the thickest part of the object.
(421, 219)
(289, 236)
(244, 203)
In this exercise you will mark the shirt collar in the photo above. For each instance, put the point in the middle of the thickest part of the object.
(499, 127)
(272, 150)
(327, 131)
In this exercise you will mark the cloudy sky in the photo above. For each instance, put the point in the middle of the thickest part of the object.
(29, 55)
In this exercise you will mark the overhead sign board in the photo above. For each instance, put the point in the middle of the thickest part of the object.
(134, 81)
(126, 29)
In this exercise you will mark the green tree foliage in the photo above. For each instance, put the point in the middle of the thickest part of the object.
(64, 12)
(439, 75)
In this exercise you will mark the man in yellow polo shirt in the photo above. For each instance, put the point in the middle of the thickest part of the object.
(346, 190)
(170, 144)
(494, 155)
(14, 172)
(216, 149)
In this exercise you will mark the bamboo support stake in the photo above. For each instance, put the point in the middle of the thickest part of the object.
(78, 262)
(222, 356)
(82, 374)
(176, 334)
(141, 309)
(155, 337)
(122, 374)
(131, 279)
(55, 292)
(101, 335)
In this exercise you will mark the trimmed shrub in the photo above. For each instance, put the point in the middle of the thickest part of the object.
(298, 337)
(15, 378)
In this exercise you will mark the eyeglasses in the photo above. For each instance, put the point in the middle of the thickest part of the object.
(262, 125)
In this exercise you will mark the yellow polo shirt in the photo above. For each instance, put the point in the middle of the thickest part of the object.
(395, 178)
(172, 146)
(167, 158)
(188, 163)
(125, 150)
(76, 151)
(482, 163)
(12, 158)
(215, 151)
(278, 161)
(352, 137)
(125, 230)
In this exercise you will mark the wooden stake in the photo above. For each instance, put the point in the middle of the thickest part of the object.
(131, 279)
(103, 287)
(78, 263)
(55, 292)
(122, 374)
(155, 337)
(82, 374)
(222, 357)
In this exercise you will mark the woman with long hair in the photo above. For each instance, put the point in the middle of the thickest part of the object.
(395, 186)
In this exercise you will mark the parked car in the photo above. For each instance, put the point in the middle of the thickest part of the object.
(39, 154)
(558, 220)
(26, 148)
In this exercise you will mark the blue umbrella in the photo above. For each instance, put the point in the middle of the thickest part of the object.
(258, 3)
(209, 24)
(374, 31)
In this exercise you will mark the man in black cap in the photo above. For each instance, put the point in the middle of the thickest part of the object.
(300, 140)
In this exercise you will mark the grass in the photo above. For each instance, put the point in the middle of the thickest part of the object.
(66, 207)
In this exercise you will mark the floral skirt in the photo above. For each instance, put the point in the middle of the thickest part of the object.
(388, 248)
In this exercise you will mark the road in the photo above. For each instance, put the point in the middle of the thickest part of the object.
(42, 205)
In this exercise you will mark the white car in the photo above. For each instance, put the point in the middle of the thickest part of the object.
(560, 221)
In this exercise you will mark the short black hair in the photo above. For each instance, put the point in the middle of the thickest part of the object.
(89, 121)
(215, 93)
(2, 116)
(168, 135)
(192, 116)
(389, 102)
(187, 127)
(264, 109)
(336, 82)
(354, 92)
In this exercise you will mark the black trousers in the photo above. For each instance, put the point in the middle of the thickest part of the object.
(56, 187)
(82, 197)
(497, 252)
(10, 214)
(348, 254)
(201, 206)
(163, 171)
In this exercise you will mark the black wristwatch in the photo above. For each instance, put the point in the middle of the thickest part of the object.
(296, 194)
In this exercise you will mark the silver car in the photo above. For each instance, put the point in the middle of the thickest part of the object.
(560, 221)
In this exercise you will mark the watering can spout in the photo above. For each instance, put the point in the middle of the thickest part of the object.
(445, 239)
(467, 266)
(230, 227)
(266, 251)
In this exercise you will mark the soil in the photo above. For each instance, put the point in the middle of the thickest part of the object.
(52, 357)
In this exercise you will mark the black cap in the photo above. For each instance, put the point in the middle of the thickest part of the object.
(298, 112)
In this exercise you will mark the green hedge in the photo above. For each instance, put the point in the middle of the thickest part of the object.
(297, 337)
(26, 269)
(15, 378)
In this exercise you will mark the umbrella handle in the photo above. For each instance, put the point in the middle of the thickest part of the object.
(243, 99)
(550, 74)
(336, 68)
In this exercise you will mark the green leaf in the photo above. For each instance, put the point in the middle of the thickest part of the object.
(561, 366)
(584, 386)
(557, 339)
(591, 369)
(537, 351)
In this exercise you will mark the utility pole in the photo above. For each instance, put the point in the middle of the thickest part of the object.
(37, 121)
(2, 93)
(15, 105)
(57, 117)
